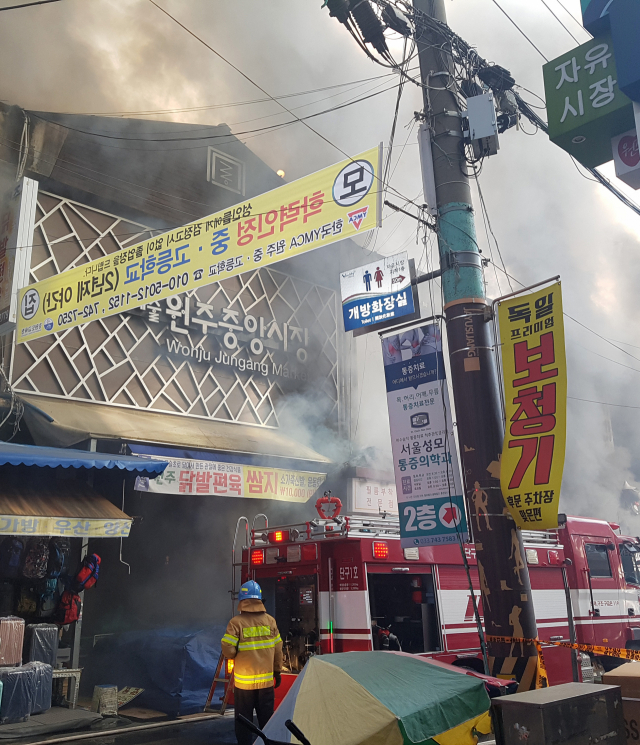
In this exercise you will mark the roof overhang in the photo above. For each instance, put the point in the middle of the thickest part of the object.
(53, 421)
(60, 508)
(13, 454)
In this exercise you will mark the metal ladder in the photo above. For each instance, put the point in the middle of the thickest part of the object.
(228, 684)
(235, 565)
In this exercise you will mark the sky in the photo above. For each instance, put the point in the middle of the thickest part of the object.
(126, 57)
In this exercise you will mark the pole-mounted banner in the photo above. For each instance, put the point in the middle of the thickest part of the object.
(535, 391)
(425, 457)
(327, 206)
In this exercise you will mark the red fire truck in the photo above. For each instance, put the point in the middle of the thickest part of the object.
(342, 584)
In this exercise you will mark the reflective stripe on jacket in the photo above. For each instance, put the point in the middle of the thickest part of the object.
(253, 640)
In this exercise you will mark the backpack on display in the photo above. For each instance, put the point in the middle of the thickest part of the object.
(47, 597)
(36, 558)
(68, 609)
(28, 602)
(59, 549)
(11, 552)
(87, 575)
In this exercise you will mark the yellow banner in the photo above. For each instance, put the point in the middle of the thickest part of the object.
(330, 205)
(69, 526)
(535, 389)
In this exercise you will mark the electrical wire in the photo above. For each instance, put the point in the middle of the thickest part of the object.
(559, 21)
(495, 2)
(213, 107)
(27, 5)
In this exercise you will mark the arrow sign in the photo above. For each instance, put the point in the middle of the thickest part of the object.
(450, 515)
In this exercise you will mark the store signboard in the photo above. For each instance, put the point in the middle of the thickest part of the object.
(64, 526)
(215, 479)
(427, 474)
(336, 203)
(595, 15)
(373, 497)
(17, 215)
(585, 106)
(377, 292)
(626, 158)
(534, 371)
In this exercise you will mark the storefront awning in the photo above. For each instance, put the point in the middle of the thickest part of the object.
(33, 455)
(66, 508)
(54, 421)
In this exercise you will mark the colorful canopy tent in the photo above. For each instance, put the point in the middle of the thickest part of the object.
(382, 698)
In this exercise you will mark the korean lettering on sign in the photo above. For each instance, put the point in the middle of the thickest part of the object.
(213, 478)
(298, 217)
(535, 387)
(585, 106)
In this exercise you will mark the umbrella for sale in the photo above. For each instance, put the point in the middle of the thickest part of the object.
(382, 698)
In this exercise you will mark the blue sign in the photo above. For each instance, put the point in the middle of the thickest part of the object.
(377, 292)
(625, 32)
(432, 522)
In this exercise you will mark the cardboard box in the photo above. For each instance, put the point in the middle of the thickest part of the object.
(627, 676)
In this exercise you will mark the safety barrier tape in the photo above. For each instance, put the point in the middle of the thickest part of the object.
(542, 678)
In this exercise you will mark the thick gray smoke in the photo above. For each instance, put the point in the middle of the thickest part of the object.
(126, 56)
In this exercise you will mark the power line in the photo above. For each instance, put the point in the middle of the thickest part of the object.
(495, 2)
(26, 5)
(269, 127)
(380, 181)
(559, 21)
(603, 403)
(249, 102)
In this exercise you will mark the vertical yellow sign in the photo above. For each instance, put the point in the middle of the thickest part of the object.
(535, 390)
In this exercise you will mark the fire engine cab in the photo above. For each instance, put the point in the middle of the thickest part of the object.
(345, 583)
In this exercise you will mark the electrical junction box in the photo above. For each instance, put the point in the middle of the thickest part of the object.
(483, 125)
(571, 714)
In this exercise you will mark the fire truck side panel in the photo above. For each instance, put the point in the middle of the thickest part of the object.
(456, 607)
(549, 601)
(345, 621)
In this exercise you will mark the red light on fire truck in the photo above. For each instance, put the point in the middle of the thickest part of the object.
(278, 536)
(380, 550)
(257, 557)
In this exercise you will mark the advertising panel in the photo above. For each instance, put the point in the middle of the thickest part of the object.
(330, 205)
(17, 214)
(428, 483)
(585, 106)
(535, 390)
(376, 292)
(210, 478)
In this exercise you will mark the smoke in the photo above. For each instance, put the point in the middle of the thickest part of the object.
(125, 55)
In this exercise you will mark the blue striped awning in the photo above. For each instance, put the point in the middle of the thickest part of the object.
(33, 455)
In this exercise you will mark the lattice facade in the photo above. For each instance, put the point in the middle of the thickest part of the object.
(230, 351)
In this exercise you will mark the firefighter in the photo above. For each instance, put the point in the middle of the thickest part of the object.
(253, 640)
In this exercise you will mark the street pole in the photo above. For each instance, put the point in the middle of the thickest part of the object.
(502, 568)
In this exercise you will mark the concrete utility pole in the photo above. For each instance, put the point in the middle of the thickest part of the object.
(504, 577)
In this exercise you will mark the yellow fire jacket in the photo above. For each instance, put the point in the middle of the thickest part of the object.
(253, 640)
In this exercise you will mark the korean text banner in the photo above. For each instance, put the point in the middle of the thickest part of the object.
(335, 203)
(210, 478)
(376, 292)
(69, 526)
(535, 390)
(425, 459)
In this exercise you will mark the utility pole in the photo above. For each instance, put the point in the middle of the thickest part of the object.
(504, 577)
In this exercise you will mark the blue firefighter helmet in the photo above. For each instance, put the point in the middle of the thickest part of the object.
(250, 591)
